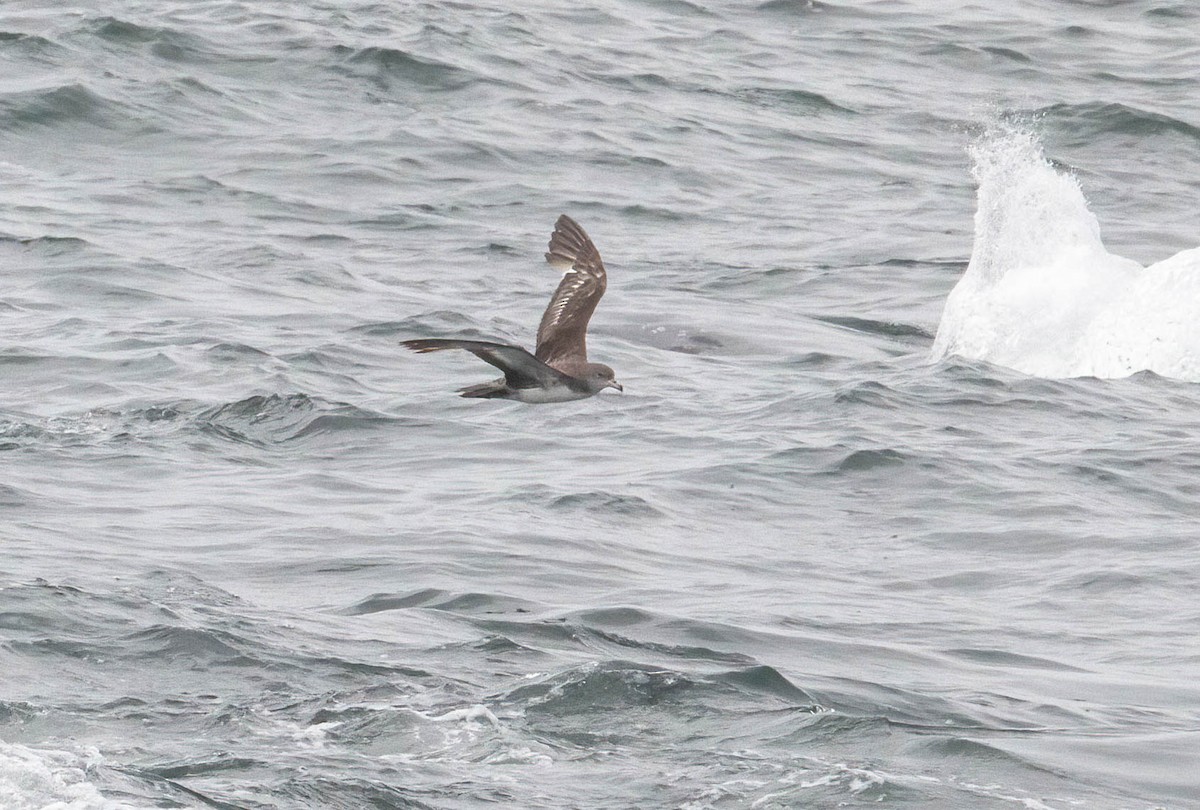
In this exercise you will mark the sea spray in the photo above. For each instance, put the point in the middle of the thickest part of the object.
(1154, 325)
(1041, 294)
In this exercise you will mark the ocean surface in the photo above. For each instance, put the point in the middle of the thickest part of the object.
(900, 506)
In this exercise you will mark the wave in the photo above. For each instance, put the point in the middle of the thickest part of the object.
(164, 43)
(32, 777)
(1097, 119)
(613, 504)
(788, 6)
(792, 99)
(437, 599)
(889, 329)
(70, 103)
(388, 66)
(266, 420)
(1042, 295)
(26, 46)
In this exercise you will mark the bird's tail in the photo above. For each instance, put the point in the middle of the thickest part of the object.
(488, 390)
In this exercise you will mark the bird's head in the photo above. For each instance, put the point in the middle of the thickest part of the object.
(600, 377)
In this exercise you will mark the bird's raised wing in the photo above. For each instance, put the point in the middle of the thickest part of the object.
(562, 334)
(521, 369)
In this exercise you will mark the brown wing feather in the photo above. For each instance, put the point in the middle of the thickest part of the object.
(562, 335)
(521, 369)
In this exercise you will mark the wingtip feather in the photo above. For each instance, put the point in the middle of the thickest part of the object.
(423, 345)
(568, 243)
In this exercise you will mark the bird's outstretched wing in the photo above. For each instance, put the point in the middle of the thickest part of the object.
(521, 369)
(562, 335)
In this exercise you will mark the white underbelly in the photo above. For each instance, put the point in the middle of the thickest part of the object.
(540, 396)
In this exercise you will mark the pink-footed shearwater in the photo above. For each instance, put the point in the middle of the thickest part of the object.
(558, 370)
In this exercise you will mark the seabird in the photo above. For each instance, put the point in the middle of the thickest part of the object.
(558, 370)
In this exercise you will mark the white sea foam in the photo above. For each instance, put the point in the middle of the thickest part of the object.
(49, 780)
(477, 714)
(1041, 294)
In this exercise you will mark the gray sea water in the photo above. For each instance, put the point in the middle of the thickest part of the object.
(255, 555)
